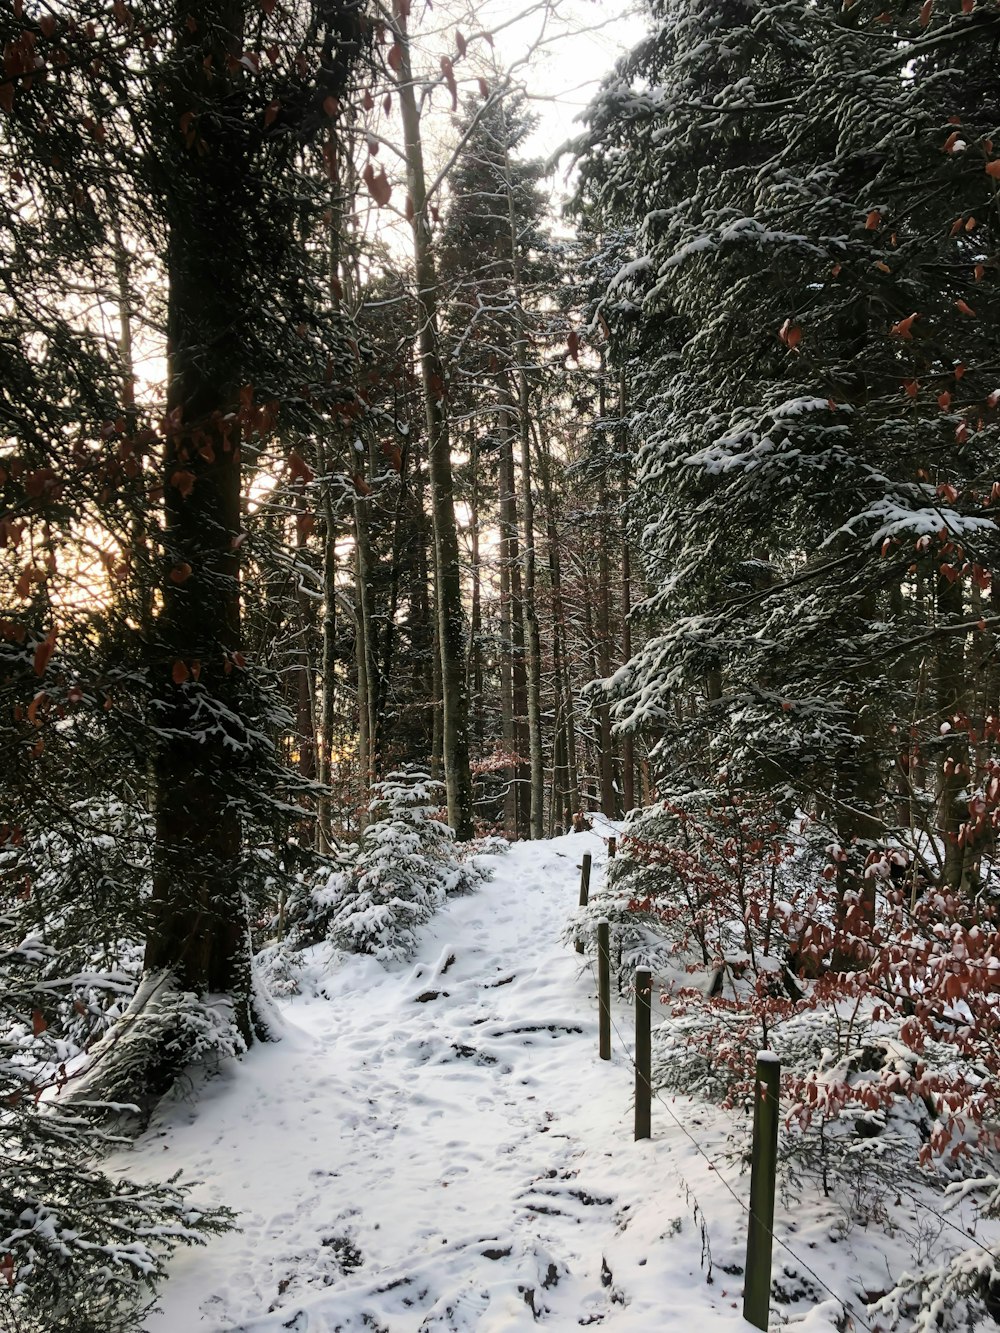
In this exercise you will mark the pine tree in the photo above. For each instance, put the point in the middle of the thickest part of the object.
(812, 239)
(141, 147)
(404, 869)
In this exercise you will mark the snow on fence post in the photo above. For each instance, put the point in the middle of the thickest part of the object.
(604, 986)
(643, 1053)
(612, 848)
(584, 890)
(757, 1287)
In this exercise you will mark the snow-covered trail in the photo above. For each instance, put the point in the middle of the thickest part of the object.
(438, 1147)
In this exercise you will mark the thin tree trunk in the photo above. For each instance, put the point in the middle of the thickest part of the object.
(362, 645)
(305, 693)
(858, 795)
(628, 743)
(609, 796)
(590, 789)
(507, 689)
(532, 639)
(328, 630)
(139, 555)
(564, 686)
(952, 708)
(476, 617)
(448, 586)
(509, 553)
(328, 651)
(426, 673)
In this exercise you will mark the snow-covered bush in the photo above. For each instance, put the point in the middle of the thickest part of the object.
(405, 868)
(959, 1293)
(277, 968)
(164, 1032)
(890, 1060)
(698, 886)
(80, 1251)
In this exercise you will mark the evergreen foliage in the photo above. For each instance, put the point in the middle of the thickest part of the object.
(405, 868)
(814, 459)
(80, 1251)
(800, 203)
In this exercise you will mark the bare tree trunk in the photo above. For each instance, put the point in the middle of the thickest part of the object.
(305, 694)
(198, 931)
(509, 551)
(437, 715)
(628, 743)
(139, 538)
(858, 796)
(565, 708)
(507, 690)
(532, 641)
(426, 665)
(448, 587)
(328, 698)
(609, 797)
(367, 683)
(952, 709)
(476, 618)
(328, 651)
(588, 785)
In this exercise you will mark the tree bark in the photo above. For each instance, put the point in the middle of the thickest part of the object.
(476, 618)
(198, 929)
(628, 743)
(565, 707)
(362, 645)
(328, 698)
(532, 639)
(952, 709)
(609, 796)
(511, 564)
(448, 586)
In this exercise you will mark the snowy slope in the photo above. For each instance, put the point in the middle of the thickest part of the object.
(437, 1146)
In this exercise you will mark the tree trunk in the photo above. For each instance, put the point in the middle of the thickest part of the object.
(609, 796)
(448, 586)
(328, 698)
(362, 645)
(858, 795)
(506, 665)
(532, 639)
(425, 673)
(510, 559)
(565, 708)
(198, 930)
(305, 693)
(628, 743)
(952, 709)
(476, 617)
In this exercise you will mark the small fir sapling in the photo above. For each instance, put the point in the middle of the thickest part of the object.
(404, 869)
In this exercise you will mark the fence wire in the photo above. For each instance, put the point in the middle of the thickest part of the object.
(714, 1166)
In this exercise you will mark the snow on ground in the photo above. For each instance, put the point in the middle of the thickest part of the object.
(438, 1147)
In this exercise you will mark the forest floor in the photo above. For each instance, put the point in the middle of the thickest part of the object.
(436, 1146)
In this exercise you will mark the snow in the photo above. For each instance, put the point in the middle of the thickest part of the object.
(436, 1145)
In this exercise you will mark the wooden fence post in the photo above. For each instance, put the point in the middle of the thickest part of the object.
(643, 1053)
(584, 890)
(604, 986)
(612, 848)
(757, 1285)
